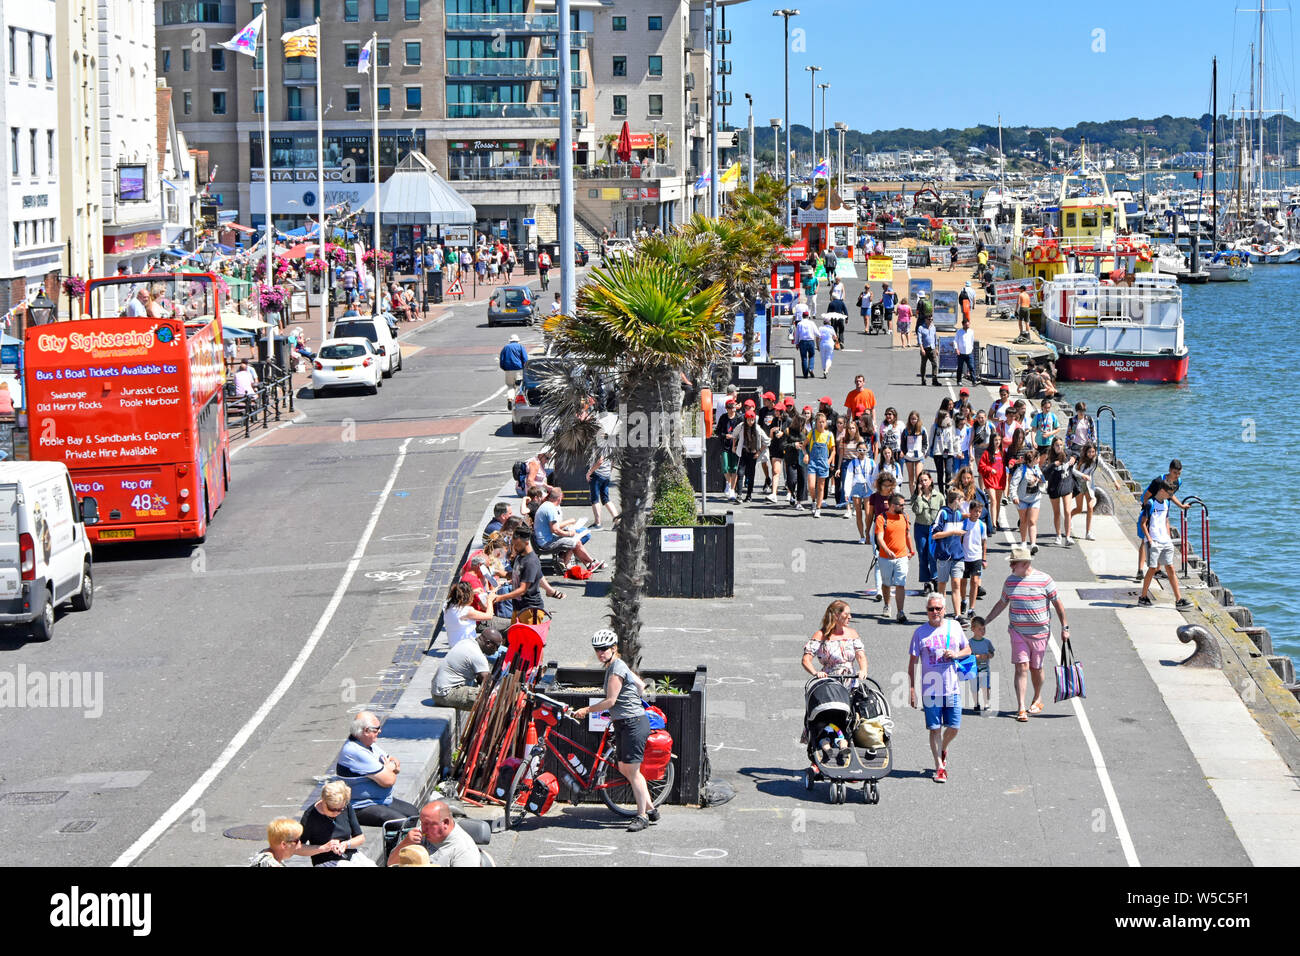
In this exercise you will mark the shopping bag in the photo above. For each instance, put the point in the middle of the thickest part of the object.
(1069, 674)
(967, 667)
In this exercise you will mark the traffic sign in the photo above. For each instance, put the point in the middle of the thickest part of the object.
(530, 222)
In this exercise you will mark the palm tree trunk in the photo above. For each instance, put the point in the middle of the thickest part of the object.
(634, 491)
(669, 455)
(749, 329)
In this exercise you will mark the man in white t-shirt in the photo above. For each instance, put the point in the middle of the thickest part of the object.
(805, 340)
(974, 541)
(245, 381)
(1160, 546)
(137, 307)
(447, 844)
(965, 341)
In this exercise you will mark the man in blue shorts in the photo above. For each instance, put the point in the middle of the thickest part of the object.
(938, 644)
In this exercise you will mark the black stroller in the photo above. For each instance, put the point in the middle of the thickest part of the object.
(877, 320)
(847, 723)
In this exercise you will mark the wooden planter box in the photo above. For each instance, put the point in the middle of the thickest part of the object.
(685, 714)
(707, 570)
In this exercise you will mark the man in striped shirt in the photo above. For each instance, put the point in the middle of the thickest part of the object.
(1028, 593)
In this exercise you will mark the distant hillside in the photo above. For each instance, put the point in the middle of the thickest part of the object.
(1173, 134)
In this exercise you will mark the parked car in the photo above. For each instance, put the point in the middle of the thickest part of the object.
(916, 226)
(526, 413)
(347, 363)
(892, 231)
(45, 556)
(580, 255)
(380, 332)
(614, 248)
(512, 303)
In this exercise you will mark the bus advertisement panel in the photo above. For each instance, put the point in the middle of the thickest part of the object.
(133, 405)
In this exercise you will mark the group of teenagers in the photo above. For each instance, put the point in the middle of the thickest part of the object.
(982, 458)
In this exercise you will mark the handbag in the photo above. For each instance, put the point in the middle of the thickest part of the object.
(1069, 674)
(967, 666)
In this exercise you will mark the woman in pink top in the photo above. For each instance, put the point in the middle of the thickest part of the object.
(904, 322)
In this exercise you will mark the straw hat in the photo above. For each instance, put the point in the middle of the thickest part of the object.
(1019, 552)
(413, 856)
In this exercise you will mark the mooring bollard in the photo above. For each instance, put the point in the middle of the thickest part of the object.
(1207, 652)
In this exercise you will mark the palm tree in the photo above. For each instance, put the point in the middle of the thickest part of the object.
(641, 320)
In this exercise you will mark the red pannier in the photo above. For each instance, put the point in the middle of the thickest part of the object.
(542, 795)
(658, 752)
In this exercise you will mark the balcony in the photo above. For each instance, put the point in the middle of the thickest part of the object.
(534, 23)
(626, 171)
(577, 41)
(502, 173)
(174, 13)
(511, 111)
(578, 78)
(505, 67)
(300, 69)
(294, 114)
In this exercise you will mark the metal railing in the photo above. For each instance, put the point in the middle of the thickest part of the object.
(527, 67)
(502, 173)
(626, 171)
(1195, 502)
(511, 111)
(1096, 426)
(274, 396)
(509, 22)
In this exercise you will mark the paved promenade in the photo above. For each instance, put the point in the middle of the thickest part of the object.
(1159, 766)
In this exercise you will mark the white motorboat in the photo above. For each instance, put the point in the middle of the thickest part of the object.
(1229, 265)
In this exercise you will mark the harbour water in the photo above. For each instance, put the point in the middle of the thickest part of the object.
(1235, 424)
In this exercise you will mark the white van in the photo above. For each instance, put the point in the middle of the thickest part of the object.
(44, 552)
(381, 334)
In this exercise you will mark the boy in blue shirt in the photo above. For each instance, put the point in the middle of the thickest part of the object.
(984, 652)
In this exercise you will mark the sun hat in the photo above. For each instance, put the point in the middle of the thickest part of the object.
(514, 338)
(1019, 552)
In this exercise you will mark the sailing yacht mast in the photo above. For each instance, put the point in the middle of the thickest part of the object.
(1260, 111)
(1214, 153)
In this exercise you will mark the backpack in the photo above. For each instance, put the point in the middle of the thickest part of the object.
(519, 471)
(576, 572)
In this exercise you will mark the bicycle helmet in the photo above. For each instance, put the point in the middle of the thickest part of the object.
(604, 638)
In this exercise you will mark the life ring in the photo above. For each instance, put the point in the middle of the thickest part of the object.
(1036, 254)
(1053, 255)
(1144, 254)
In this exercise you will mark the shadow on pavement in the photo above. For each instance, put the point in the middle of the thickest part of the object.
(144, 551)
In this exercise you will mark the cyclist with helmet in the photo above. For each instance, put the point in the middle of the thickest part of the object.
(623, 691)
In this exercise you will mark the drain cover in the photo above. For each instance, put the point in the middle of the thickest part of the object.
(31, 798)
(77, 826)
(248, 832)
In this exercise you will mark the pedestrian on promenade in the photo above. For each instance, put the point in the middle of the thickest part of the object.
(283, 837)
(949, 551)
(888, 300)
(1079, 430)
(1059, 472)
(927, 502)
(993, 476)
(1023, 303)
(725, 429)
(544, 268)
(1084, 469)
(864, 307)
(806, 337)
(938, 644)
(767, 416)
(820, 446)
(1001, 404)
(1047, 426)
(859, 477)
(463, 671)
(861, 400)
(1160, 545)
(371, 773)
(915, 443)
(981, 437)
(952, 257)
(796, 434)
(943, 446)
(893, 548)
(927, 342)
(1173, 477)
(512, 360)
(1028, 485)
(1029, 594)
(623, 692)
(751, 442)
(984, 652)
(965, 341)
(599, 476)
(827, 343)
(878, 504)
(891, 432)
(835, 647)
(974, 542)
(904, 323)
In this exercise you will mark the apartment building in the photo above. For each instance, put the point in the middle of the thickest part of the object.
(473, 84)
(80, 169)
(131, 190)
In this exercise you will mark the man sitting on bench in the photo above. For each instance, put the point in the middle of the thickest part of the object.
(551, 531)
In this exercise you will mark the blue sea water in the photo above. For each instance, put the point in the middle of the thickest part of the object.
(1235, 424)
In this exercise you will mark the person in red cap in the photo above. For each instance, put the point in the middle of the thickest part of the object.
(778, 436)
(751, 441)
(725, 431)
(767, 416)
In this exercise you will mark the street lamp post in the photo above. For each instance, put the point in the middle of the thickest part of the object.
(775, 123)
(826, 136)
(812, 128)
(787, 14)
(750, 100)
(841, 129)
(713, 109)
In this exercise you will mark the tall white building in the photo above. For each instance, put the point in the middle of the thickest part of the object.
(31, 239)
(80, 168)
(129, 139)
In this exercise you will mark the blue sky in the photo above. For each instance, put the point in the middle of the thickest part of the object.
(946, 63)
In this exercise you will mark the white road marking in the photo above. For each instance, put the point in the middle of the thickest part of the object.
(187, 800)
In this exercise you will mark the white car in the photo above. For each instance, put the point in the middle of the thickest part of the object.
(345, 363)
(616, 248)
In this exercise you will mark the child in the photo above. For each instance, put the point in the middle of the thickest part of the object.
(974, 552)
(983, 650)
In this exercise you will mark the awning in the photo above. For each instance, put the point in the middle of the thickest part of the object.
(415, 195)
(297, 252)
(235, 335)
(241, 228)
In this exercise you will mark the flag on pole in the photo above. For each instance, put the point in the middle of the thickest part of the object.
(823, 171)
(245, 41)
(730, 175)
(702, 183)
(363, 58)
(302, 42)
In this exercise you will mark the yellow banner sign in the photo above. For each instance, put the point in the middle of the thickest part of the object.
(880, 269)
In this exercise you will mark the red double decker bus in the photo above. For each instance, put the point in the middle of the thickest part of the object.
(131, 399)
